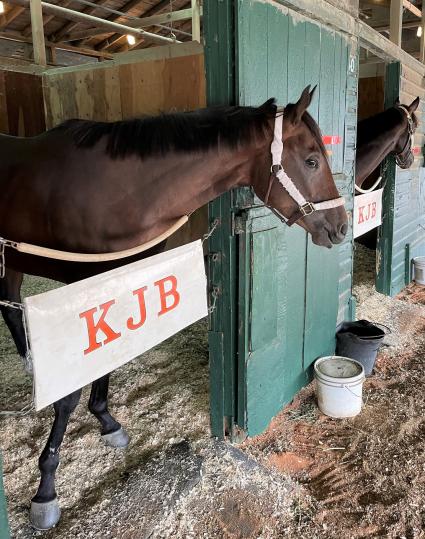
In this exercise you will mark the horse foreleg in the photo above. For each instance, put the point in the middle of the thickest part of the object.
(45, 510)
(10, 290)
(112, 432)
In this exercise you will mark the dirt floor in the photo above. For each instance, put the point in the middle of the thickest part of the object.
(363, 477)
(308, 476)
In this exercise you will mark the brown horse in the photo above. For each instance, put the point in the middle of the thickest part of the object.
(95, 187)
(388, 133)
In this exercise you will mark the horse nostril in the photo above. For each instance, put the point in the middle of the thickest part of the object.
(343, 229)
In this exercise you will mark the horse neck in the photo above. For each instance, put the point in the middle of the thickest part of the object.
(209, 175)
(371, 153)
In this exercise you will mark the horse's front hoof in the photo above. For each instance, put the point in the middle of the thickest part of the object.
(44, 516)
(119, 438)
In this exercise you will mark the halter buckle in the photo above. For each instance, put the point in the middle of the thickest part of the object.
(274, 169)
(307, 209)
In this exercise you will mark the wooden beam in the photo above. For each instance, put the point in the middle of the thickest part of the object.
(413, 9)
(131, 4)
(116, 38)
(10, 16)
(396, 19)
(70, 26)
(96, 21)
(143, 22)
(384, 27)
(14, 36)
(46, 19)
(82, 35)
(141, 44)
(196, 21)
(422, 40)
(38, 33)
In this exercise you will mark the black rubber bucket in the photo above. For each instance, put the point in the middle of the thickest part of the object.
(360, 340)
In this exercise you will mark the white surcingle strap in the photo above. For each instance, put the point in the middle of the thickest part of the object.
(304, 207)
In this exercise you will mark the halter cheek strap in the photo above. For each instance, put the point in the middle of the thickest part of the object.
(278, 173)
(399, 157)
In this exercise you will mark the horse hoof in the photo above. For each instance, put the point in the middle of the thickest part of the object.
(44, 516)
(119, 438)
(27, 363)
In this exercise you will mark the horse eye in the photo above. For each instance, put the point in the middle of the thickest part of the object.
(312, 163)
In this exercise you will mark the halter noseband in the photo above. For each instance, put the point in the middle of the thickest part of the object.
(400, 158)
(277, 173)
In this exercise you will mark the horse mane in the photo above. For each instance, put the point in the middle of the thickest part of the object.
(199, 130)
(370, 128)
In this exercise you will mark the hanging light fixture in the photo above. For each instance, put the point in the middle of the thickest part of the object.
(1, 7)
(131, 40)
(419, 31)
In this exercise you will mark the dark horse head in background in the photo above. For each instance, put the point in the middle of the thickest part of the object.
(388, 133)
(97, 187)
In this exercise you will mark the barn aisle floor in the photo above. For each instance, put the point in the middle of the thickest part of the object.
(362, 477)
(307, 476)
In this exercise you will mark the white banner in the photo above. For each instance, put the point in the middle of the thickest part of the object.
(85, 330)
(367, 212)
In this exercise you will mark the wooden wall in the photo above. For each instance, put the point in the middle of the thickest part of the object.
(21, 104)
(135, 85)
(371, 96)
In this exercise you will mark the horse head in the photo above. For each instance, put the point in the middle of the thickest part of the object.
(301, 186)
(403, 147)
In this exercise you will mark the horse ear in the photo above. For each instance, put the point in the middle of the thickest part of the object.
(413, 105)
(397, 102)
(301, 105)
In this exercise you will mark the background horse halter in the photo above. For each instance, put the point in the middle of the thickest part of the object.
(401, 157)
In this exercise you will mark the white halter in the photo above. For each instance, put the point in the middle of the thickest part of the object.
(304, 207)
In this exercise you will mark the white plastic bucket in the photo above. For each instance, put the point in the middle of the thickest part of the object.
(339, 386)
(419, 268)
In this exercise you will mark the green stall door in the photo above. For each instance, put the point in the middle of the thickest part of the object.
(290, 290)
(279, 296)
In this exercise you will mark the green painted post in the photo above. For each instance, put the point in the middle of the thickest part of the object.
(384, 245)
(4, 526)
(219, 28)
(407, 264)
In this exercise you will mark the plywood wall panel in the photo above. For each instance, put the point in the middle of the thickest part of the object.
(126, 90)
(371, 96)
(21, 104)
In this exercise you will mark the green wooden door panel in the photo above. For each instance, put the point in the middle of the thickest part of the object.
(270, 380)
(322, 272)
(281, 273)
(263, 315)
(384, 247)
(4, 526)
(274, 285)
(219, 29)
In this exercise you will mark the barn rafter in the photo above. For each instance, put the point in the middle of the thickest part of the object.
(102, 27)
